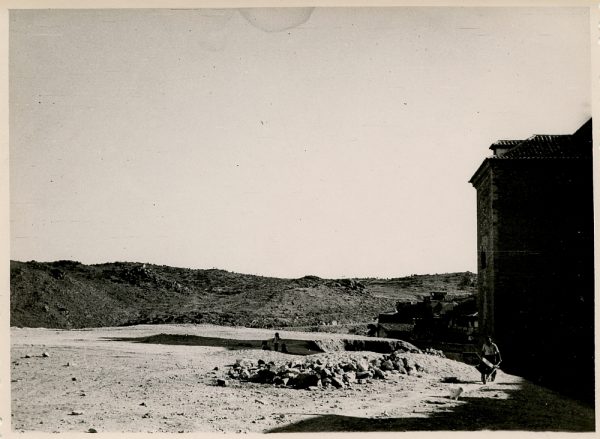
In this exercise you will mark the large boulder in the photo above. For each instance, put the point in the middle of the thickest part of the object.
(378, 373)
(362, 365)
(364, 374)
(349, 377)
(337, 382)
(264, 376)
(306, 380)
(387, 365)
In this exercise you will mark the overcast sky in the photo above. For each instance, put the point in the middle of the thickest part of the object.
(338, 143)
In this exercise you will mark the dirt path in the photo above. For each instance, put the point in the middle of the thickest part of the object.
(89, 380)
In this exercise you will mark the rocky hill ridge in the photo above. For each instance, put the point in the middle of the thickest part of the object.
(68, 294)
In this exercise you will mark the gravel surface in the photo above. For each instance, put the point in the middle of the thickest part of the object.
(93, 379)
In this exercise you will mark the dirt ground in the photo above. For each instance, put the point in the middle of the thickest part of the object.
(93, 379)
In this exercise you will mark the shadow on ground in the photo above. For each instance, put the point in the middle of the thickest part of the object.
(295, 347)
(525, 409)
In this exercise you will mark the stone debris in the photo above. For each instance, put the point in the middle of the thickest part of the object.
(76, 412)
(311, 373)
(45, 354)
(92, 430)
(435, 352)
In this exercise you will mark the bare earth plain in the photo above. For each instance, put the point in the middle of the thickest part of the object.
(105, 379)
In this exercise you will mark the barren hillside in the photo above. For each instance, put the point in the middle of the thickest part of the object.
(67, 294)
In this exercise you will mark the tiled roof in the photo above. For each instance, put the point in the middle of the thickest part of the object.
(548, 146)
(505, 143)
(542, 147)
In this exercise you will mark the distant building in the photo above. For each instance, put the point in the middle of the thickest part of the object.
(536, 257)
(435, 318)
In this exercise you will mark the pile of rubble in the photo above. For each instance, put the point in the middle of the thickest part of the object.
(435, 352)
(317, 372)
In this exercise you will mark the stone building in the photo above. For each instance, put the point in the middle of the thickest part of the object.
(535, 243)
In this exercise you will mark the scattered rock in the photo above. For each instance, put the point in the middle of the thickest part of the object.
(305, 380)
(349, 377)
(76, 412)
(362, 365)
(387, 365)
(337, 383)
(243, 362)
(92, 430)
(364, 375)
(45, 354)
(378, 373)
(404, 346)
(222, 383)
(278, 381)
(264, 376)
(435, 352)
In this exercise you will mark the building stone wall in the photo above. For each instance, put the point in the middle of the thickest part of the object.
(485, 252)
(536, 280)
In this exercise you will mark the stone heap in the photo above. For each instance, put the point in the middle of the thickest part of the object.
(434, 352)
(323, 372)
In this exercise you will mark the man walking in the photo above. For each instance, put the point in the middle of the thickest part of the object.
(490, 352)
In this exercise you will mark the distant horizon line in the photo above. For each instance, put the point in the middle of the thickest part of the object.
(237, 272)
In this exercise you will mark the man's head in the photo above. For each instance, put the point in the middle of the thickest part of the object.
(489, 339)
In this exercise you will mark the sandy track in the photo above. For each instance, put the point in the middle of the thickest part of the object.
(90, 380)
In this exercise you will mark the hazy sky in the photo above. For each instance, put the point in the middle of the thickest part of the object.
(339, 147)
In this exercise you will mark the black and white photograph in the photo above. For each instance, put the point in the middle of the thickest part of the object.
(306, 219)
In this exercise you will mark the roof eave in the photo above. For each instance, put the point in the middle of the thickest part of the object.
(477, 175)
